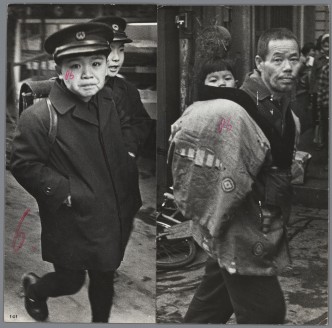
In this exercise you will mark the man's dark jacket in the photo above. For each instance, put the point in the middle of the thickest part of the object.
(89, 161)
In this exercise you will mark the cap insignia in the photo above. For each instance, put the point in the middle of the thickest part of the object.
(80, 35)
(115, 27)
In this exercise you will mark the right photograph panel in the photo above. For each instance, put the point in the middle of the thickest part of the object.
(242, 164)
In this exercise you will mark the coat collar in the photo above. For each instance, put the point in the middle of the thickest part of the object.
(254, 84)
(63, 101)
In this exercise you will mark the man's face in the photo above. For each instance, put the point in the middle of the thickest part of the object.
(84, 75)
(115, 58)
(280, 67)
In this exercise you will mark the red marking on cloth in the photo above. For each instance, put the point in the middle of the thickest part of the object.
(19, 234)
(69, 75)
(223, 124)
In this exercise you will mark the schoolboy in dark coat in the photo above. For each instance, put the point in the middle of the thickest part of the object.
(85, 183)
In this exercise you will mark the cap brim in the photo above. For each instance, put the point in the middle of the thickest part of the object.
(126, 40)
(82, 50)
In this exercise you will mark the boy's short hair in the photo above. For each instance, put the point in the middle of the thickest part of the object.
(274, 34)
(215, 64)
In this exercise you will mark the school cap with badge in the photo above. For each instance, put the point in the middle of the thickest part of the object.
(85, 38)
(118, 25)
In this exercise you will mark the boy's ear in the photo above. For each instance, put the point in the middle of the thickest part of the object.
(259, 63)
(236, 83)
(58, 70)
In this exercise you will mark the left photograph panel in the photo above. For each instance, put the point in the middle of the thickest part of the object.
(79, 230)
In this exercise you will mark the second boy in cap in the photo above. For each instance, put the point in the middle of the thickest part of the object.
(85, 183)
(135, 120)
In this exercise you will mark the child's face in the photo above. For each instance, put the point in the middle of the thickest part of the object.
(220, 79)
(115, 58)
(84, 75)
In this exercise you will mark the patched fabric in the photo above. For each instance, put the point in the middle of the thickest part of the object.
(228, 185)
(258, 249)
(203, 193)
(216, 187)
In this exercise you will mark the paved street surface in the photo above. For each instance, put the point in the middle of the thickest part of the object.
(305, 284)
(134, 300)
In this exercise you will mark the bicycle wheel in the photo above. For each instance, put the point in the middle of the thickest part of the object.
(175, 253)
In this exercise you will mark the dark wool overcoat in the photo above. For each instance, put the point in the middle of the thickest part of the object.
(88, 161)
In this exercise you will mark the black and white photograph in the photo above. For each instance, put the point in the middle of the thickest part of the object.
(243, 98)
(80, 193)
(167, 164)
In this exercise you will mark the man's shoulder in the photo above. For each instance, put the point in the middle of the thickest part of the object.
(249, 84)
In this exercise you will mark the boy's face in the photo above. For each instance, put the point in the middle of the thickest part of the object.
(84, 75)
(115, 58)
(220, 79)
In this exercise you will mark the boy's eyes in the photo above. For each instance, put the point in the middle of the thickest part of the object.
(119, 49)
(96, 63)
(78, 66)
(75, 66)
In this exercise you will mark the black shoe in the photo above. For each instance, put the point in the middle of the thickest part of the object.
(37, 309)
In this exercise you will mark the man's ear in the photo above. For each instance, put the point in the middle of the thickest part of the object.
(58, 70)
(259, 63)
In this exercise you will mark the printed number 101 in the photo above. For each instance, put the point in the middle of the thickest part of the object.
(13, 316)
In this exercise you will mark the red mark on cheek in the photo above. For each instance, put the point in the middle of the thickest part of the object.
(19, 235)
(69, 75)
(223, 124)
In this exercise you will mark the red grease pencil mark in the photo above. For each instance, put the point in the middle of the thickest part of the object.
(69, 75)
(223, 124)
(19, 234)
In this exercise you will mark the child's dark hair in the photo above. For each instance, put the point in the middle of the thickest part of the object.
(211, 65)
(307, 47)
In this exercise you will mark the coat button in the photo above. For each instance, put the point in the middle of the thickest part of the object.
(48, 190)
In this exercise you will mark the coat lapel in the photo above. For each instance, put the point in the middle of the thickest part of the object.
(63, 101)
(82, 112)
